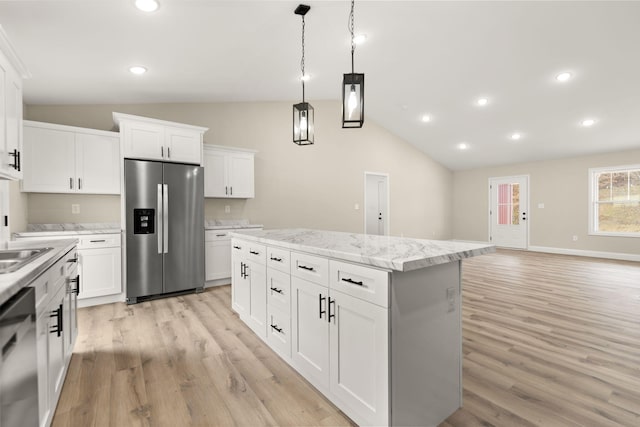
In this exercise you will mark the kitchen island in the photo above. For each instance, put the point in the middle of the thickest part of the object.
(373, 322)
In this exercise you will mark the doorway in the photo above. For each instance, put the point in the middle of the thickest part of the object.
(376, 203)
(508, 207)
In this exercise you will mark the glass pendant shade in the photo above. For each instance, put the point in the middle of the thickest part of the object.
(352, 100)
(303, 123)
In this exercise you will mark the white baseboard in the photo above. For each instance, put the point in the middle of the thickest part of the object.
(88, 302)
(580, 252)
(218, 282)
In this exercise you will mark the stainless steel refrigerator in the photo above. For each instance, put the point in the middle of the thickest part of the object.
(165, 228)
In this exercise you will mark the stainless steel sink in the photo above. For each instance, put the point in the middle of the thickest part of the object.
(14, 259)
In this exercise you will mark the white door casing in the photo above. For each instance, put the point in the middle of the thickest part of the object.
(376, 203)
(509, 211)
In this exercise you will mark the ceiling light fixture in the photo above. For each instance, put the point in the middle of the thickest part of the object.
(482, 102)
(463, 146)
(147, 5)
(588, 122)
(302, 112)
(352, 88)
(516, 136)
(563, 77)
(425, 118)
(138, 69)
(360, 39)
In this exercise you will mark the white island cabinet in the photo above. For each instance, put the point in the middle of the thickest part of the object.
(373, 322)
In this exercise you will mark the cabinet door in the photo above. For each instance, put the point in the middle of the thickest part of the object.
(240, 290)
(360, 356)
(240, 175)
(97, 164)
(310, 331)
(56, 343)
(42, 349)
(218, 259)
(143, 140)
(99, 271)
(258, 298)
(183, 145)
(215, 178)
(49, 161)
(5, 160)
(13, 111)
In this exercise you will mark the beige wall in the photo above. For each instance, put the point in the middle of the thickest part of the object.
(314, 186)
(562, 185)
(17, 208)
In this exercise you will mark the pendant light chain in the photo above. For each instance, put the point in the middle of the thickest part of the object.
(351, 30)
(302, 61)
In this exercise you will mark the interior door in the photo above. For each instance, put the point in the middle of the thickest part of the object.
(376, 204)
(508, 210)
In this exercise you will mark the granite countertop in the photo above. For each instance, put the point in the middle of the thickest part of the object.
(70, 229)
(229, 224)
(11, 283)
(393, 253)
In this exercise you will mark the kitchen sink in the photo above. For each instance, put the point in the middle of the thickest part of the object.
(14, 259)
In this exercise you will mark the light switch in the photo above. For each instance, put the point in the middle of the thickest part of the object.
(356, 207)
(540, 205)
(227, 209)
(75, 209)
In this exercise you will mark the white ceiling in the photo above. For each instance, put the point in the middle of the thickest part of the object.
(420, 57)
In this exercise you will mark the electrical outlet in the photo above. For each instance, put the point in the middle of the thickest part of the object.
(227, 209)
(540, 205)
(451, 299)
(356, 207)
(75, 209)
(575, 238)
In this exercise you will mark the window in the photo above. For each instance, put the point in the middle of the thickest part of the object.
(615, 201)
(508, 204)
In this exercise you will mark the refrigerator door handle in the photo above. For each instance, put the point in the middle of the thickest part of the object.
(165, 217)
(159, 227)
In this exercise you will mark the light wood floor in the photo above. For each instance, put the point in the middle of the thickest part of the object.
(548, 340)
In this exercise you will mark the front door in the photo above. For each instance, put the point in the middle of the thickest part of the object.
(376, 204)
(508, 211)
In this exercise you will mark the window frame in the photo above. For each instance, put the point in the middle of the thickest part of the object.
(593, 199)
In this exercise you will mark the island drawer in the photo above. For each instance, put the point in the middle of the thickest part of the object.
(279, 290)
(362, 282)
(279, 332)
(312, 268)
(215, 235)
(278, 259)
(256, 252)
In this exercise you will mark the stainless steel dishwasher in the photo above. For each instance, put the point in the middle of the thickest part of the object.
(18, 365)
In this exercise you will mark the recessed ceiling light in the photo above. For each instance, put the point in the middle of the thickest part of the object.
(563, 77)
(138, 69)
(425, 118)
(482, 102)
(305, 78)
(463, 146)
(516, 136)
(360, 38)
(147, 5)
(588, 122)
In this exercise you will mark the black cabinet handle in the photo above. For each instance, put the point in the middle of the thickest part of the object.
(276, 328)
(254, 253)
(353, 282)
(231, 190)
(98, 241)
(276, 290)
(237, 247)
(79, 184)
(331, 315)
(320, 299)
(73, 259)
(57, 329)
(242, 267)
(16, 159)
(70, 183)
(169, 152)
(75, 290)
(220, 235)
(276, 259)
(304, 267)
(226, 190)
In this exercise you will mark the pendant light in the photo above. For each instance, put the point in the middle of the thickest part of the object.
(352, 88)
(302, 112)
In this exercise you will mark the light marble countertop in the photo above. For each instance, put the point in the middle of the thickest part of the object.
(70, 229)
(11, 283)
(229, 224)
(393, 253)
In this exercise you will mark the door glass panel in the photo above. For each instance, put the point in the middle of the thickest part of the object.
(508, 204)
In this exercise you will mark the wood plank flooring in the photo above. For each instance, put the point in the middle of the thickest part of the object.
(548, 340)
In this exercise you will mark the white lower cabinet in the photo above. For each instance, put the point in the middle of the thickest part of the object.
(217, 255)
(99, 270)
(337, 339)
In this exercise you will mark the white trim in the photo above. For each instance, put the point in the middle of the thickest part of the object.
(66, 128)
(209, 147)
(119, 118)
(591, 200)
(387, 223)
(528, 211)
(586, 253)
(12, 56)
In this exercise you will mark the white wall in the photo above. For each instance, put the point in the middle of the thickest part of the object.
(313, 186)
(562, 185)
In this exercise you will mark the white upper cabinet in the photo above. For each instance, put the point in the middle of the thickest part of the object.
(152, 139)
(12, 71)
(228, 172)
(66, 159)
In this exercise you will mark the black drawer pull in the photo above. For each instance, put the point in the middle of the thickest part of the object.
(97, 241)
(276, 259)
(254, 253)
(73, 259)
(331, 301)
(276, 290)
(320, 300)
(276, 328)
(304, 267)
(220, 235)
(236, 247)
(353, 282)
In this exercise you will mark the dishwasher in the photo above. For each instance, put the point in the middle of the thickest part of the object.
(18, 365)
